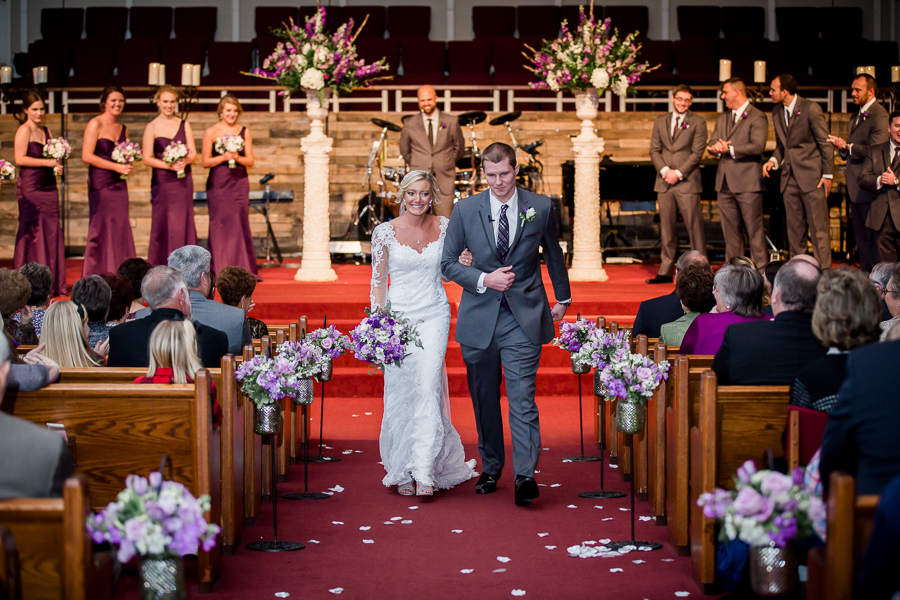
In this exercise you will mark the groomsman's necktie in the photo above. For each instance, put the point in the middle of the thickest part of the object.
(677, 124)
(503, 235)
(431, 132)
(895, 164)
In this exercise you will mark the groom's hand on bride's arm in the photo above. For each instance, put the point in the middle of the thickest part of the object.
(500, 280)
(559, 311)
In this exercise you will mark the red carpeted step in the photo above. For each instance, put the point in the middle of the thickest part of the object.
(551, 356)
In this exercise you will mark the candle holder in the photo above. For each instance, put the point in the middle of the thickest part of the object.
(189, 97)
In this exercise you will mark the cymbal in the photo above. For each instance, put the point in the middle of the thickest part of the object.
(465, 162)
(474, 117)
(390, 126)
(507, 118)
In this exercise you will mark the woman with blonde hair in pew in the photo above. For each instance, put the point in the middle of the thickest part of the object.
(65, 334)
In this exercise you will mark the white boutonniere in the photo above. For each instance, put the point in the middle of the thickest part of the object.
(526, 215)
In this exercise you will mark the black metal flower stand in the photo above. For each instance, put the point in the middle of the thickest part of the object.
(641, 546)
(323, 377)
(581, 457)
(305, 494)
(602, 494)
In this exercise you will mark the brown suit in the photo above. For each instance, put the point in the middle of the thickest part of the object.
(740, 184)
(681, 152)
(865, 132)
(804, 155)
(884, 214)
(440, 159)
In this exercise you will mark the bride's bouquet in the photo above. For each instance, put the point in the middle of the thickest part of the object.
(384, 337)
(229, 143)
(126, 153)
(57, 149)
(7, 170)
(174, 152)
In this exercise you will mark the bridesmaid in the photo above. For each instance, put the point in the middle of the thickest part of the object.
(109, 240)
(39, 238)
(171, 198)
(228, 193)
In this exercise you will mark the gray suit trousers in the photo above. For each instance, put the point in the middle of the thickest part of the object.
(519, 358)
(807, 207)
(689, 205)
(747, 206)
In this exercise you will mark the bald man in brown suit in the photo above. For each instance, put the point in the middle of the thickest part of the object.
(738, 140)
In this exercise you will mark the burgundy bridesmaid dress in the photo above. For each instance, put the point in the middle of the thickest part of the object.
(39, 238)
(172, 203)
(109, 240)
(228, 193)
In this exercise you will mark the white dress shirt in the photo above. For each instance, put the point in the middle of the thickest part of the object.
(675, 122)
(737, 115)
(511, 216)
(435, 119)
(865, 108)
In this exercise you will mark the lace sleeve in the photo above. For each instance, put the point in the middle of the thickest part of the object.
(381, 238)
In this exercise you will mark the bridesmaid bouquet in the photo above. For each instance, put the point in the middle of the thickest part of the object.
(174, 152)
(7, 170)
(229, 143)
(383, 337)
(331, 341)
(126, 153)
(57, 149)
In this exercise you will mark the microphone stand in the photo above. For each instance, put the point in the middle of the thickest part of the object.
(367, 182)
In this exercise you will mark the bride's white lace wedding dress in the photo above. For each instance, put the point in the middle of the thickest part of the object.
(418, 441)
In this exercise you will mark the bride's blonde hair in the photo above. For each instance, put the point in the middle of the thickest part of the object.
(412, 177)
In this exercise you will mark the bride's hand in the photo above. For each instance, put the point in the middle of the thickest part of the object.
(466, 258)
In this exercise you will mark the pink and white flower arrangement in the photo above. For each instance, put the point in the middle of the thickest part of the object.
(229, 143)
(57, 149)
(593, 55)
(174, 152)
(126, 153)
(154, 519)
(765, 507)
(312, 59)
(632, 377)
(7, 170)
(331, 341)
(574, 338)
(384, 337)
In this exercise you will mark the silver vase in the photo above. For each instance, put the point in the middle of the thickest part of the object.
(598, 386)
(773, 570)
(629, 417)
(327, 371)
(580, 369)
(267, 419)
(305, 393)
(162, 579)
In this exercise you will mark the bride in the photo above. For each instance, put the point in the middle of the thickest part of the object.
(420, 449)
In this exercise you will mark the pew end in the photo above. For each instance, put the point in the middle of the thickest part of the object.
(10, 577)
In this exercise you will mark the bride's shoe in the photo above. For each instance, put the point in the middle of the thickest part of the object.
(424, 490)
(407, 489)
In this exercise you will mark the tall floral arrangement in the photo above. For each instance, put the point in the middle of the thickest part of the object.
(331, 341)
(310, 58)
(632, 377)
(266, 380)
(593, 55)
(575, 339)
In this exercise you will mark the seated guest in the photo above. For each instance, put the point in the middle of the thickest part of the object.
(166, 292)
(236, 287)
(880, 275)
(41, 280)
(846, 317)
(773, 352)
(134, 269)
(770, 272)
(738, 292)
(36, 461)
(120, 298)
(34, 372)
(15, 291)
(879, 577)
(66, 336)
(892, 299)
(173, 359)
(194, 263)
(93, 293)
(694, 290)
(654, 313)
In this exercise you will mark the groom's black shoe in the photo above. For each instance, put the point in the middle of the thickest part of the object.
(487, 483)
(526, 490)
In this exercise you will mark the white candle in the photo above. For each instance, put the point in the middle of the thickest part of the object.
(162, 74)
(195, 74)
(860, 70)
(724, 69)
(895, 74)
(153, 77)
(870, 70)
(39, 75)
(5, 75)
(186, 78)
(759, 71)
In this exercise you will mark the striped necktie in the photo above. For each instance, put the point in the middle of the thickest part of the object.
(503, 235)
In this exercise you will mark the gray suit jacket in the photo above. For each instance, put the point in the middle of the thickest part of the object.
(743, 173)
(877, 162)
(441, 159)
(868, 132)
(470, 227)
(802, 148)
(681, 152)
(35, 462)
(230, 319)
(27, 378)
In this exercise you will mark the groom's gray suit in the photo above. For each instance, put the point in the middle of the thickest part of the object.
(492, 335)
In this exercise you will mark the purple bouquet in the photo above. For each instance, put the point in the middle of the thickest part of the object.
(574, 337)
(384, 337)
(766, 507)
(126, 153)
(267, 380)
(632, 377)
(604, 348)
(156, 519)
(331, 341)
(306, 356)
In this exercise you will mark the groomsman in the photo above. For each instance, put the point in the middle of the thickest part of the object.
(676, 147)
(738, 140)
(868, 128)
(806, 159)
(880, 176)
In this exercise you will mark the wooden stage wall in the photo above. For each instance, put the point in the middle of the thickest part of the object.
(276, 138)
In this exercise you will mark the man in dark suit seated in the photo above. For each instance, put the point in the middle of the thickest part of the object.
(36, 462)
(861, 435)
(656, 312)
(773, 352)
(166, 293)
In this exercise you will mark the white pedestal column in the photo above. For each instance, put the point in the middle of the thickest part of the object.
(316, 262)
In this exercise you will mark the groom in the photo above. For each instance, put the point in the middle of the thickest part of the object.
(504, 316)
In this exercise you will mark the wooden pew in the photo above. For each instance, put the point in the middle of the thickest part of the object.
(55, 552)
(682, 397)
(126, 428)
(10, 580)
(834, 569)
(656, 445)
(253, 488)
(735, 424)
(809, 426)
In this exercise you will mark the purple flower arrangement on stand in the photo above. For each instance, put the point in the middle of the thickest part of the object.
(574, 338)
(631, 379)
(384, 337)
